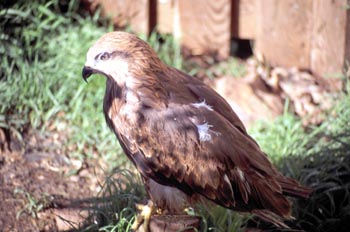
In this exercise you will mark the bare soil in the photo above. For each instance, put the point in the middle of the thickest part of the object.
(41, 190)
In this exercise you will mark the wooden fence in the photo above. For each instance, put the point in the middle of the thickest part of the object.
(308, 34)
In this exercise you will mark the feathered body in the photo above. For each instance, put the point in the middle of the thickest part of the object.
(183, 137)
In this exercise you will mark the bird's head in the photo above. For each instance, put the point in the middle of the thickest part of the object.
(119, 55)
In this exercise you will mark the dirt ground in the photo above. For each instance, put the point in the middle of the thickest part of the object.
(40, 190)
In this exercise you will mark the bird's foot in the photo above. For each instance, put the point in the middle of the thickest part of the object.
(143, 217)
(189, 211)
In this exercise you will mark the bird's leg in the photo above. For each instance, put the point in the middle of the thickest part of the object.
(143, 218)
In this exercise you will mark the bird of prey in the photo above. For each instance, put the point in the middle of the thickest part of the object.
(182, 136)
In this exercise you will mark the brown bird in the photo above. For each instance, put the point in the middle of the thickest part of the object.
(182, 136)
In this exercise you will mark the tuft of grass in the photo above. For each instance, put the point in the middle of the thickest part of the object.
(222, 220)
(34, 205)
(114, 208)
(283, 137)
(231, 67)
(211, 68)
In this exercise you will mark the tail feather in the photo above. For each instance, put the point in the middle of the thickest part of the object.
(271, 217)
(293, 188)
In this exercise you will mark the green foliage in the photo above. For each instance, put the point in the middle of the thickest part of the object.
(114, 207)
(33, 205)
(43, 51)
(283, 137)
(220, 219)
(22, 46)
(327, 172)
(231, 67)
(338, 120)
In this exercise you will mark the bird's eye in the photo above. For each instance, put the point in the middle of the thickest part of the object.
(104, 56)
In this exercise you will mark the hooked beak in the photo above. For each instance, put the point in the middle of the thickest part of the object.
(87, 72)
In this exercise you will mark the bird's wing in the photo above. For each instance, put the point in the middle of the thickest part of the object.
(218, 103)
(198, 150)
(202, 92)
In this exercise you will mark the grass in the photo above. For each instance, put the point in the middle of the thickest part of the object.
(283, 137)
(43, 50)
(33, 205)
(286, 136)
(231, 67)
(327, 172)
(220, 219)
(114, 209)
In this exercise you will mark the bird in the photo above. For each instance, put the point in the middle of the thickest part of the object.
(184, 139)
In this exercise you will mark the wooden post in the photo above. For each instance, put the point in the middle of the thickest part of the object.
(330, 40)
(205, 26)
(283, 32)
(347, 39)
(141, 15)
(165, 16)
(307, 34)
(243, 17)
(173, 223)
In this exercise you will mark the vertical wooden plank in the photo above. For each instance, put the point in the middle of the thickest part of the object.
(244, 19)
(329, 38)
(283, 32)
(135, 13)
(165, 16)
(205, 26)
(347, 37)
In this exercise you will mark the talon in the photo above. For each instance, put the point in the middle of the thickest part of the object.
(189, 211)
(144, 217)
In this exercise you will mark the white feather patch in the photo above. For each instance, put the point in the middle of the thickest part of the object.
(203, 131)
(203, 104)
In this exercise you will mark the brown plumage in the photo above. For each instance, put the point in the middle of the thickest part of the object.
(182, 136)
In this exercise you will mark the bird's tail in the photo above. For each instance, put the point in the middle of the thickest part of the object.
(293, 188)
(271, 217)
(290, 187)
